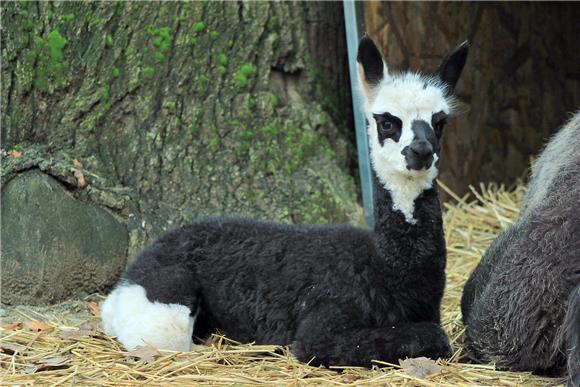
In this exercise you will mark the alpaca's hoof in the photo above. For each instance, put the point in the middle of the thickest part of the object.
(136, 321)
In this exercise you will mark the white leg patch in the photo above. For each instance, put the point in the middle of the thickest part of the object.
(129, 315)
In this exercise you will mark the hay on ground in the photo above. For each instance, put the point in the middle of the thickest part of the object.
(71, 350)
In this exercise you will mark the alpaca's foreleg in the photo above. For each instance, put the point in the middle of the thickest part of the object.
(572, 327)
(327, 339)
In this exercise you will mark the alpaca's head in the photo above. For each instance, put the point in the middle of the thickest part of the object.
(406, 114)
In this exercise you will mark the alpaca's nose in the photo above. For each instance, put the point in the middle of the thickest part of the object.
(419, 154)
(421, 149)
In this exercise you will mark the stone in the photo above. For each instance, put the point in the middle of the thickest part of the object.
(55, 246)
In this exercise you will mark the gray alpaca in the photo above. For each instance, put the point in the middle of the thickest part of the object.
(521, 305)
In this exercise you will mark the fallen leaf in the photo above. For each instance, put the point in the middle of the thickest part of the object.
(146, 353)
(350, 378)
(81, 182)
(37, 326)
(420, 367)
(12, 348)
(48, 364)
(15, 153)
(88, 329)
(94, 308)
(77, 163)
(14, 326)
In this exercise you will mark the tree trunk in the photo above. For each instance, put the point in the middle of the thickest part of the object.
(194, 108)
(201, 108)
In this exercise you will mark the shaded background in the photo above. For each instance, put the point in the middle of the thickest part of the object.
(521, 81)
(121, 120)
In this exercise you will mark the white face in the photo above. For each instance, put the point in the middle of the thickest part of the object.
(405, 115)
(408, 98)
(401, 111)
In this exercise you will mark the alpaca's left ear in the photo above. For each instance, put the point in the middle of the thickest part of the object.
(451, 67)
(371, 67)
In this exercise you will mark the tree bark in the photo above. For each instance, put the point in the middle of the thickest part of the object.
(199, 108)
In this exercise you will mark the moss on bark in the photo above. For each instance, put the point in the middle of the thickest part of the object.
(199, 108)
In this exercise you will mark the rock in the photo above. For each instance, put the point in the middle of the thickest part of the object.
(55, 246)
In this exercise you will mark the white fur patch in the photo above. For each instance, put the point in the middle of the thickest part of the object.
(129, 315)
(409, 97)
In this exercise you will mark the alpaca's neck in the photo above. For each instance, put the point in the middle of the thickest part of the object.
(405, 242)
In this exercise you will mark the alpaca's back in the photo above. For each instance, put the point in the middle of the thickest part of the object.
(558, 163)
(515, 302)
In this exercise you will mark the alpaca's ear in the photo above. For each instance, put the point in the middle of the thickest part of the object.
(451, 67)
(371, 68)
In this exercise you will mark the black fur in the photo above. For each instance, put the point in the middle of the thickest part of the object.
(519, 306)
(452, 66)
(371, 60)
(388, 126)
(339, 294)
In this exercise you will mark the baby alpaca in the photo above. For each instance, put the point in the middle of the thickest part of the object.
(336, 294)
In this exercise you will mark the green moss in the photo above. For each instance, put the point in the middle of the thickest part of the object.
(222, 59)
(271, 129)
(149, 71)
(230, 43)
(128, 51)
(158, 56)
(273, 100)
(241, 78)
(247, 135)
(27, 25)
(68, 17)
(214, 143)
(115, 72)
(162, 39)
(50, 64)
(221, 69)
(109, 40)
(198, 27)
(247, 69)
(203, 83)
(56, 43)
(50, 15)
(105, 92)
(214, 34)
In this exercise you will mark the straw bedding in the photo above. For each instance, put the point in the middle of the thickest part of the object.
(62, 345)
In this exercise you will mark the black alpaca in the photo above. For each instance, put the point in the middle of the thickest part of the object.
(336, 294)
(521, 305)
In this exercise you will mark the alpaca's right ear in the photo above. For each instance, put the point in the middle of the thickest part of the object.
(371, 67)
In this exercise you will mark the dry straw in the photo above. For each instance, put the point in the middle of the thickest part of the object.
(75, 353)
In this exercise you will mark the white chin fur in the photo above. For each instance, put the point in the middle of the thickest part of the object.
(136, 321)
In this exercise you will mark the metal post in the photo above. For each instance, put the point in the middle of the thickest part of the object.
(353, 28)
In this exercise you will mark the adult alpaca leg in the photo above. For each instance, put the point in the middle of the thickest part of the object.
(572, 326)
(323, 338)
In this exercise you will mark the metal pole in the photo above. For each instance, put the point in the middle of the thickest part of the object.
(353, 35)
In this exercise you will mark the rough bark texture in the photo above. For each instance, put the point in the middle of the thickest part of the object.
(194, 108)
(521, 81)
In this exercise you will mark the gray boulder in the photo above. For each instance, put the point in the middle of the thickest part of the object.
(54, 246)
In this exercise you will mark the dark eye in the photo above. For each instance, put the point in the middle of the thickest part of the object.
(386, 126)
